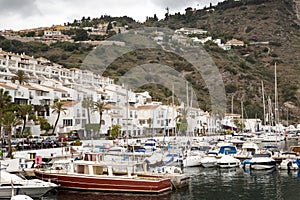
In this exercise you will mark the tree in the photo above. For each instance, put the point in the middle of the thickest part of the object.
(24, 112)
(21, 77)
(9, 121)
(44, 124)
(100, 108)
(57, 108)
(87, 103)
(5, 104)
(80, 35)
(109, 27)
(115, 130)
(155, 18)
(149, 122)
(30, 34)
(182, 123)
(239, 124)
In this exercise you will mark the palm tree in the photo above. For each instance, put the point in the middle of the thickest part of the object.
(149, 122)
(9, 121)
(87, 103)
(182, 123)
(21, 77)
(5, 104)
(100, 108)
(57, 108)
(23, 111)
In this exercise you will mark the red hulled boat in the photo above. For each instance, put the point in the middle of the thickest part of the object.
(99, 177)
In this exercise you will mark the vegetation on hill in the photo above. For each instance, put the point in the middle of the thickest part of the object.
(269, 28)
(243, 68)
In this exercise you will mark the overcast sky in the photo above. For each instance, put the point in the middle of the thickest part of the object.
(23, 14)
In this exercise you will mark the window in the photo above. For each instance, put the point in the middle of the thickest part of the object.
(68, 122)
(77, 121)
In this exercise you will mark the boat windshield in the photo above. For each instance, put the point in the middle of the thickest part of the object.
(150, 144)
(261, 155)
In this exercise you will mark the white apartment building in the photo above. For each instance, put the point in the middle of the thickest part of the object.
(49, 82)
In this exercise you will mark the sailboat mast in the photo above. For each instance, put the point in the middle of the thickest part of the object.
(263, 99)
(242, 108)
(276, 98)
(173, 106)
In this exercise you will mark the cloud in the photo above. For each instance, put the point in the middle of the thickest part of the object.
(21, 14)
(173, 4)
(22, 8)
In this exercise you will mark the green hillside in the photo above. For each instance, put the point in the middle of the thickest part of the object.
(242, 68)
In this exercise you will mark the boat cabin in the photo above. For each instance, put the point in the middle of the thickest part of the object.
(228, 150)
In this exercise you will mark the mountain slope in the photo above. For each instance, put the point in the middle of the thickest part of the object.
(273, 22)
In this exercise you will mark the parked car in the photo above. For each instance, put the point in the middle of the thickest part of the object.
(36, 139)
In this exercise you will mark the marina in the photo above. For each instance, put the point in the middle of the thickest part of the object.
(206, 182)
(197, 104)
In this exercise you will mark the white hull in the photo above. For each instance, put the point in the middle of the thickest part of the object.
(228, 165)
(192, 161)
(209, 162)
(228, 162)
(34, 188)
(284, 165)
(207, 165)
(262, 161)
(259, 166)
(34, 192)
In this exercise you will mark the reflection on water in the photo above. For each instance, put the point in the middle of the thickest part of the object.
(79, 195)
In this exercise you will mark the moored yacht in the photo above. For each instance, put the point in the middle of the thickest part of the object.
(262, 161)
(209, 160)
(227, 161)
(34, 188)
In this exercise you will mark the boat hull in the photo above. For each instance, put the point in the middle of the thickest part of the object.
(108, 183)
(261, 166)
(192, 161)
(209, 162)
(34, 192)
(228, 162)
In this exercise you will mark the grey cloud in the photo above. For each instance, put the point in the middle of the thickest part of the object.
(180, 4)
(173, 4)
(19, 7)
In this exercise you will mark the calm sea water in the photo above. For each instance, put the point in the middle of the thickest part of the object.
(207, 183)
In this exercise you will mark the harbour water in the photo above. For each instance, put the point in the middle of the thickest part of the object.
(208, 183)
(214, 184)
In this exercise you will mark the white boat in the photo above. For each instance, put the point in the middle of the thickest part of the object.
(209, 160)
(248, 150)
(21, 197)
(34, 188)
(273, 137)
(262, 161)
(289, 164)
(151, 145)
(227, 161)
(191, 160)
